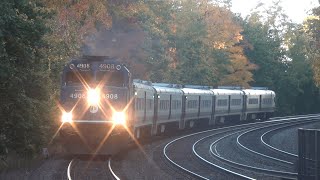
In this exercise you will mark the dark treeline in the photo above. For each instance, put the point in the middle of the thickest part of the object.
(188, 42)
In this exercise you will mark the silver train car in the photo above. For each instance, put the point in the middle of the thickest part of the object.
(182, 107)
(102, 109)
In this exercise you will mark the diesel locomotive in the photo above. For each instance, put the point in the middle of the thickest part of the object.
(103, 109)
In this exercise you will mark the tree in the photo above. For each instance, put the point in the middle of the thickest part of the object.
(25, 84)
(312, 29)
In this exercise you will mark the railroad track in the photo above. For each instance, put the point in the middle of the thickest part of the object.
(92, 169)
(217, 164)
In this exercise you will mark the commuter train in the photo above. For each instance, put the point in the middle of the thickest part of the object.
(103, 109)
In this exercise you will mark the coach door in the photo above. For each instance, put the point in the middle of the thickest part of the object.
(199, 104)
(155, 116)
(145, 106)
(170, 106)
(260, 101)
(229, 103)
(183, 114)
(244, 107)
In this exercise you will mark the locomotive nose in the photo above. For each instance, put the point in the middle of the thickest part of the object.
(93, 97)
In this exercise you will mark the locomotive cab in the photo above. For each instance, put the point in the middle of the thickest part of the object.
(95, 93)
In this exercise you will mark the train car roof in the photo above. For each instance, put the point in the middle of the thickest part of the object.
(143, 86)
(258, 92)
(161, 89)
(227, 91)
(190, 91)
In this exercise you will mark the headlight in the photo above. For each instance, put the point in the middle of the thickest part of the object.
(93, 97)
(119, 118)
(66, 117)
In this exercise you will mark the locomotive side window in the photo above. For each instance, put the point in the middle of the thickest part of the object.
(77, 77)
(110, 78)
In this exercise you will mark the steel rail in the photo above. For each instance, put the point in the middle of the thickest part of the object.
(69, 169)
(202, 132)
(111, 171)
(205, 160)
(264, 155)
(274, 148)
(215, 165)
(176, 164)
(282, 174)
(276, 119)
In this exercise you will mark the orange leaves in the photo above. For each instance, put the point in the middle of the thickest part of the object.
(239, 68)
(223, 31)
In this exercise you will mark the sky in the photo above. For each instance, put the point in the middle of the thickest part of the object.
(295, 9)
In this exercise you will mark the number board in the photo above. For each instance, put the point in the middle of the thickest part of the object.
(81, 66)
(109, 67)
(111, 96)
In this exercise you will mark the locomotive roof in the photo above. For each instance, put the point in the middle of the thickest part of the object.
(191, 91)
(161, 89)
(258, 92)
(226, 91)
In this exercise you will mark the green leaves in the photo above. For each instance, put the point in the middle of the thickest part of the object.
(24, 79)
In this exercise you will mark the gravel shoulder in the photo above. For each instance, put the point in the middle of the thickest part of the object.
(287, 139)
(145, 163)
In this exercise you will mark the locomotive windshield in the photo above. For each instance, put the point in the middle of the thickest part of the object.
(75, 78)
(108, 78)
(106, 73)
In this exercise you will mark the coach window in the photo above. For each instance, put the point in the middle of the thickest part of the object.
(222, 102)
(174, 104)
(149, 102)
(206, 104)
(267, 101)
(192, 104)
(179, 105)
(235, 102)
(253, 101)
(164, 104)
(138, 104)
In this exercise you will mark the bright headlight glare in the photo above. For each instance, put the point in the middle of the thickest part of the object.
(119, 118)
(93, 97)
(67, 117)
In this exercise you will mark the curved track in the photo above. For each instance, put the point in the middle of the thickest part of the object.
(78, 169)
(234, 152)
(272, 147)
